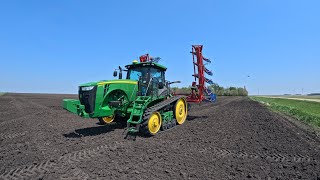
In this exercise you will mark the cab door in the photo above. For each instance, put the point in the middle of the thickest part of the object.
(157, 82)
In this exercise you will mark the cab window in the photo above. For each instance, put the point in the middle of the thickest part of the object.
(157, 75)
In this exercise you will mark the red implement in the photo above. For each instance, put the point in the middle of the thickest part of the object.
(198, 86)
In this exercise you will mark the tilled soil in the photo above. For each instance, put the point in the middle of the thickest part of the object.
(234, 138)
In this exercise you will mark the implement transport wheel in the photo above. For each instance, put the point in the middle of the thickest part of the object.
(181, 111)
(152, 125)
(107, 119)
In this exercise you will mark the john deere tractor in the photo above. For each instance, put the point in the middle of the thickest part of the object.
(143, 99)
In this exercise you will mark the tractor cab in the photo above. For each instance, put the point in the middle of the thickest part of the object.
(150, 76)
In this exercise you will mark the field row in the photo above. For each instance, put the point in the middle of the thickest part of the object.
(307, 111)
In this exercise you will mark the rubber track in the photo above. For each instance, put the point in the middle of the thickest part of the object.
(161, 105)
(154, 108)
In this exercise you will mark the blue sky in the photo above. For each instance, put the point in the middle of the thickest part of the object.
(53, 46)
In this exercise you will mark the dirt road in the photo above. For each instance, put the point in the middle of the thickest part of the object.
(234, 138)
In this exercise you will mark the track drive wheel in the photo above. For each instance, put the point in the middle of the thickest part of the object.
(151, 126)
(181, 111)
(106, 119)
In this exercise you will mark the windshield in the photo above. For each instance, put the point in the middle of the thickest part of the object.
(144, 73)
(136, 73)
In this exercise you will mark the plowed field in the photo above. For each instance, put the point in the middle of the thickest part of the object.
(234, 138)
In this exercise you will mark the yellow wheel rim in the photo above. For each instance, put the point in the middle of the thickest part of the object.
(154, 122)
(181, 111)
(108, 119)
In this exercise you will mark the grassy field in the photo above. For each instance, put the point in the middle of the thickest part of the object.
(306, 111)
(302, 97)
(1, 93)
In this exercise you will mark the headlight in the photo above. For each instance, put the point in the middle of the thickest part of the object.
(88, 88)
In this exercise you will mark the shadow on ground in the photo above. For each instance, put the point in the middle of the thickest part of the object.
(94, 131)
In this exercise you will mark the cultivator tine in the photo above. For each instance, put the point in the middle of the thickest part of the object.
(206, 59)
(209, 81)
(208, 71)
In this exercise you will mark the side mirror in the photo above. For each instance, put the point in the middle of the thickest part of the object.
(115, 73)
(160, 85)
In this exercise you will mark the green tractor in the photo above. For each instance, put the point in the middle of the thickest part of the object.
(143, 99)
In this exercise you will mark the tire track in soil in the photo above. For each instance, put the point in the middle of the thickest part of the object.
(4, 136)
(28, 172)
(76, 174)
(224, 153)
(275, 157)
(62, 163)
(227, 154)
(219, 153)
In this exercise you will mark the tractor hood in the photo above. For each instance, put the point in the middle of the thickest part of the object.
(103, 82)
(102, 98)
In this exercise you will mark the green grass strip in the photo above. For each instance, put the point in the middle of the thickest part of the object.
(301, 97)
(305, 111)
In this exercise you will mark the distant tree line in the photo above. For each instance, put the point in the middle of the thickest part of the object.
(314, 94)
(215, 88)
(228, 91)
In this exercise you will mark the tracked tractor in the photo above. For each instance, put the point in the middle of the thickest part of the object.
(143, 98)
